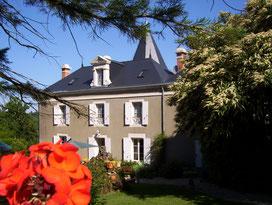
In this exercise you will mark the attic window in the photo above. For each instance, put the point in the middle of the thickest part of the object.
(141, 74)
(71, 82)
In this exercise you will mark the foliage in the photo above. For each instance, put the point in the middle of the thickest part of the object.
(146, 194)
(50, 174)
(224, 95)
(18, 128)
(101, 182)
(157, 150)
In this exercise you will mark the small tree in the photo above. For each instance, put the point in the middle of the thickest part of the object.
(17, 127)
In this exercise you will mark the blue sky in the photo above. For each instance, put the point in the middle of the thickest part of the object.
(120, 48)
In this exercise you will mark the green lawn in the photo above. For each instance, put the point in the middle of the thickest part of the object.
(141, 194)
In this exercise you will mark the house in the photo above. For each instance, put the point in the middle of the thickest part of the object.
(127, 106)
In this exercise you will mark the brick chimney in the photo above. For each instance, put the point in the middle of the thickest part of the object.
(65, 70)
(181, 58)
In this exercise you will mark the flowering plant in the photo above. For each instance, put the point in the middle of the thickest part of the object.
(50, 175)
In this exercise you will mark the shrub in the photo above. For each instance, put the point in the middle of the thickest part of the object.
(101, 181)
(172, 169)
(157, 151)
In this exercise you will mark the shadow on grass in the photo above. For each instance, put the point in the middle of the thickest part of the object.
(143, 191)
(3, 201)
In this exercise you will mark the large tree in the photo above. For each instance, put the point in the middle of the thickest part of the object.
(225, 95)
(94, 16)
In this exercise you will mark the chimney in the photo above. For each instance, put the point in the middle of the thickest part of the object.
(181, 58)
(65, 70)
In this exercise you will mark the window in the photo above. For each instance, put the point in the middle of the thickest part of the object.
(138, 149)
(100, 78)
(101, 144)
(137, 113)
(100, 114)
(61, 138)
(61, 115)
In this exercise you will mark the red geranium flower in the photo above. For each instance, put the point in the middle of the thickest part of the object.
(51, 175)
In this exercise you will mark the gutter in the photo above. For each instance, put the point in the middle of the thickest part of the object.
(162, 110)
(111, 90)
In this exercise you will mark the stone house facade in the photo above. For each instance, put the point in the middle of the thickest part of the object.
(126, 103)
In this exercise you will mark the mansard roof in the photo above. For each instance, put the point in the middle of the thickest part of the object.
(146, 69)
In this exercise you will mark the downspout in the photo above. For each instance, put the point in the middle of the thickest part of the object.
(162, 109)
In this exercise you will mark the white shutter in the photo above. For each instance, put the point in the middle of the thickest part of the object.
(93, 151)
(198, 154)
(94, 77)
(107, 114)
(108, 144)
(55, 139)
(92, 114)
(56, 114)
(145, 113)
(147, 145)
(67, 115)
(128, 113)
(127, 149)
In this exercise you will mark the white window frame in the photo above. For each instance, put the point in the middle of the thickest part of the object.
(128, 152)
(57, 115)
(93, 114)
(129, 111)
(138, 150)
(94, 151)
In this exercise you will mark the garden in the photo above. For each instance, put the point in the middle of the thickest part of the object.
(45, 176)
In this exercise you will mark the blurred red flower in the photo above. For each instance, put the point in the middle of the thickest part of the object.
(52, 174)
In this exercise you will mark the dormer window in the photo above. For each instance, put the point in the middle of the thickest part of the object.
(99, 77)
(101, 71)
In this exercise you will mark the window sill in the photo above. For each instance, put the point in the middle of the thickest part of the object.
(136, 125)
(61, 125)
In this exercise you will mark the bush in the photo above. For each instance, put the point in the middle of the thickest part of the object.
(157, 151)
(101, 182)
(171, 170)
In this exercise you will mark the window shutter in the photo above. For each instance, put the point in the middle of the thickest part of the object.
(93, 151)
(56, 114)
(55, 139)
(94, 78)
(145, 113)
(92, 114)
(147, 145)
(67, 115)
(108, 144)
(128, 113)
(127, 149)
(107, 114)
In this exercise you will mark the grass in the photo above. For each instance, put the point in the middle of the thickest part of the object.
(143, 194)
(3, 201)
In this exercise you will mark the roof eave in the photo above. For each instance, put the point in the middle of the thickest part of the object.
(111, 90)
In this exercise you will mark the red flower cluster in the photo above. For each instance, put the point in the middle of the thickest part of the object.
(52, 174)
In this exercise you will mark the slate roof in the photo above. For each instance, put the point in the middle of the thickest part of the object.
(146, 69)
